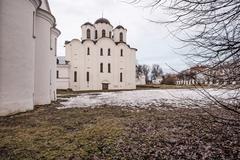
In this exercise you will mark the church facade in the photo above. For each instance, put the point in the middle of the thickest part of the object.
(28, 42)
(101, 60)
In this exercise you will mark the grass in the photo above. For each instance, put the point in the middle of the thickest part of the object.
(116, 133)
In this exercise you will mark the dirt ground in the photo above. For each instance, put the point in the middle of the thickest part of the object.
(117, 133)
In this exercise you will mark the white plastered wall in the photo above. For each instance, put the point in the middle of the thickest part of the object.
(43, 72)
(16, 56)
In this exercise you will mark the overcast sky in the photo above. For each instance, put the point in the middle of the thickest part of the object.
(154, 44)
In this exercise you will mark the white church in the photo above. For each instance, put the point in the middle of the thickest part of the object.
(101, 60)
(28, 43)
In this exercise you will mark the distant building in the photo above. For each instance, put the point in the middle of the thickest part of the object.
(141, 80)
(28, 42)
(158, 80)
(203, 75)
(192, 76)
(63, 79)
(101, 60)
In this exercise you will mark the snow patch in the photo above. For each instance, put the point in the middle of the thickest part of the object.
(144, 98)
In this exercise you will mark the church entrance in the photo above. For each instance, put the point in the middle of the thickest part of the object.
(105, 86)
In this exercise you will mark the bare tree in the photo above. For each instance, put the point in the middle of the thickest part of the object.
(156, 71)
(212, 29)
(146, 71)
(139, 70)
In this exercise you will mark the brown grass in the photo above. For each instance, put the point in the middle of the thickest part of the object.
(116, 133)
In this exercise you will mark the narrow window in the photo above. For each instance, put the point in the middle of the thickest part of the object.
(75, 76)
(96, 36)
(57, 74)
(101, 67)
(110, 34)
(101, 52)
(55, 45)
(121, 37)
(103, 33)
(33, 29)
(57, 61)
(109, 52)
(50, 77)
(87, 76)
(88, 51)
(121, 77)
(121, 54)
(50, 35)
(88, 33)
(109, 68)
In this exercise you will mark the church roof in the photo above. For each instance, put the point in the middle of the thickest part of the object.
(61, 60)
(45, 6)
(102, 20)
(87, 23)
(120, 27)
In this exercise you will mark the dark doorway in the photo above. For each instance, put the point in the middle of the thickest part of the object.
(105, 86)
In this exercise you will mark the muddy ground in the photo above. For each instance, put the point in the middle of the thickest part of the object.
(117, 133)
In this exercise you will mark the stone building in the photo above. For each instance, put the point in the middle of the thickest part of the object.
(101, 60)
(28, 42)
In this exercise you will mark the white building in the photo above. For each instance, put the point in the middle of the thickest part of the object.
(141, 80)
(28, 42)
(158, 80)
(63, 79)
(101, 60)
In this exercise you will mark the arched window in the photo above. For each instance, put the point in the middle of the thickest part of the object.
(109, 68)
(103, 33)
(101, 52)
(121, 37)
(96, 36)
(121, 77)
(75, 76)
(101, 67)
(109, 52)
(88, 51)
(121, 54)
(88, 78)
(88, 33)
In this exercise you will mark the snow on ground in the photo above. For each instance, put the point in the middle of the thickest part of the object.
(143, 98)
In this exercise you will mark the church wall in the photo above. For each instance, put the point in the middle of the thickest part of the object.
(116, 34)
(82, 63)
(63, 80)
(16, 55)
(53, 56)
(84, 32)
(43, 72)
(100, 26)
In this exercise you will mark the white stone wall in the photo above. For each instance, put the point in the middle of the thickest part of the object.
(63, 79)
(81, 62)
(116, 34)
(43, 72)
(25, 56)
(16, 56)
(53, 57)
(103, 26)
(84, 32)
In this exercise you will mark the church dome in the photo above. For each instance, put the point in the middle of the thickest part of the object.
(87, 23)
(102, 20)
(120, 27)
